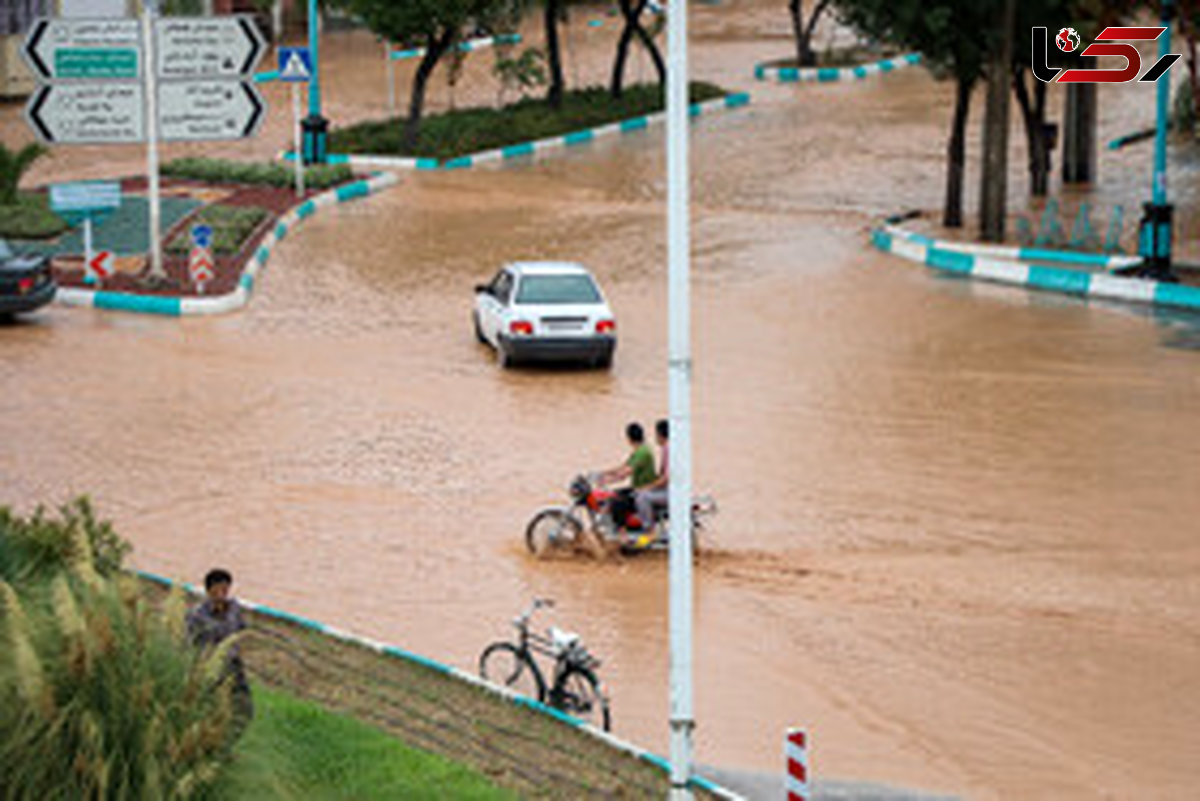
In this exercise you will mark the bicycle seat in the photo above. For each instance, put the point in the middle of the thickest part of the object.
(563, 640)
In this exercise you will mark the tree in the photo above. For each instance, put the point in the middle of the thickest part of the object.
(553, 15)
(13, 166)
(936, 29)
(631, 12)
(805, 55)
(993, 194)
(435, 25)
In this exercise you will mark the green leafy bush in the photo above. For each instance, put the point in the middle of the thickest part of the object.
(101, 696)
(30, 218)
(457, 133)
(220, 171)
(232, 226)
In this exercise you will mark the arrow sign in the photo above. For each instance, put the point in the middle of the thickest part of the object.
(191, 111)
(101, 265)
(83, 49)
(111, 112)
(200, 267)
(207, 47)
(202, 235)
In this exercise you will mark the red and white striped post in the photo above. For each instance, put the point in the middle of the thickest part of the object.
(795, 750)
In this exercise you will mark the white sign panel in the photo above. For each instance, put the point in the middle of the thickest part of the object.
(110, 112)
(207, 47)
(194, 111)
(84, 49)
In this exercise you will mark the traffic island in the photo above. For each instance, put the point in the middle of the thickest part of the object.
(246, 209)
(1036, 269)
(786, 70)
(528, 128)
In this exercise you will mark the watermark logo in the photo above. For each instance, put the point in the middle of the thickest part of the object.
(1067, 40)
(1112, 41)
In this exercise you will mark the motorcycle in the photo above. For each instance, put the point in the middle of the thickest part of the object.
(599, 520)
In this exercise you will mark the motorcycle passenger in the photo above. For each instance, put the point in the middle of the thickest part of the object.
(638, 468)
(654, 494)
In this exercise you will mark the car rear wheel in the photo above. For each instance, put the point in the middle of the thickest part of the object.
(504, 358)
(478, 330)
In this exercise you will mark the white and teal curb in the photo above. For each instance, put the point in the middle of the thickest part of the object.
(468, 46)
(1108, 262)
(763, 72)
(240, 296)
(507, 694)
(1052, 279)
(534, 148)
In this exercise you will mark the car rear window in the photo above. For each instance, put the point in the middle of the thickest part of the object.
(536, 289)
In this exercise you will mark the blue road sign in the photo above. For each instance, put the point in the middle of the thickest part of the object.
(202, 236)
(295, 64)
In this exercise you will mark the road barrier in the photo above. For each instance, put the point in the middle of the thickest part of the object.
(505, 693)
(1035, 254)
(240, 296)
(764, 72)
(530, 149)
(956, 259)
(795, 753)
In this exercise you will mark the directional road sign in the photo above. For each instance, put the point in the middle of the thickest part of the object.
(85, 196)
(207, 47)
(197, 111)
(295, 64)
(202, 235)
(86, 49)
(100, 266)
(109, 112)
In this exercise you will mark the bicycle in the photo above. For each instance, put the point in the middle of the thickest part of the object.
(575, 689)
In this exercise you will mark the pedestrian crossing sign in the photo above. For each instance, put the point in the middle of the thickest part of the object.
(295, 64)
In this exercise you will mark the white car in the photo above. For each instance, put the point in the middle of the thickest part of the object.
(545, 311)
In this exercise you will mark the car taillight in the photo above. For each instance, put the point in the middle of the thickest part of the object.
(606, 327)
(26, 285)
(520, 328)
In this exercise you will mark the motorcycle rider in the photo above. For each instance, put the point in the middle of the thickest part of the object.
(655, 493)
(638, 468)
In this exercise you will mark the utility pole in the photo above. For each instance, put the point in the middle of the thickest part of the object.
(316, 127)
(149, 69)
(680, 389)
(1154, 239)
(994, 186)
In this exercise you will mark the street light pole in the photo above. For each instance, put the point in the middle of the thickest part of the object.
(1155, 235)
(149, 12)
(680, 380)
(316, 127)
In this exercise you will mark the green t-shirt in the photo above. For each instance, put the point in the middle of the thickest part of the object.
(641, 465)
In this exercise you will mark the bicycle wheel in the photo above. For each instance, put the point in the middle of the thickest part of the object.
(577, 692)
(553, 532)
(503, 663)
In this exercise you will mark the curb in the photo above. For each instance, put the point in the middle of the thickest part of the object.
(240, 296)
(829, 74)
(465, 47)
(533, 148)
(1019, 254)
(698, 782)
(1053, 279)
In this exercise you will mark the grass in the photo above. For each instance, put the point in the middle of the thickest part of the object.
(296, 749)
(232, 226)
(465, 131)
(30, 218)
(221, 171)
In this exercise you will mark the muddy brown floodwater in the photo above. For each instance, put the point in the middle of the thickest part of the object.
(958, 529)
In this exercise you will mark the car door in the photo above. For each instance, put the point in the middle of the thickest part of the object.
(492, 304)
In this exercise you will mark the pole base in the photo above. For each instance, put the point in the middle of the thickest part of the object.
(315, 139)
(1154, 242)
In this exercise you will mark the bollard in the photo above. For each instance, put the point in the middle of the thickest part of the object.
(795, 751)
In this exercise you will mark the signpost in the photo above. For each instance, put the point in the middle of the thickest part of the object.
(295, 67)
(200, 261)
(89, 201)
(124, 81)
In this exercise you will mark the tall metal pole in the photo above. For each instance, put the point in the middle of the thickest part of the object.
(1155, 244)
(149, 10)
(316, 127)
(680, 378)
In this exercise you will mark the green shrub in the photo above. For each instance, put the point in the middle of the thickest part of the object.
(30, 218)
(232, 226)
(101, 696)
(220, 171)
(39, 547)
(457, 133)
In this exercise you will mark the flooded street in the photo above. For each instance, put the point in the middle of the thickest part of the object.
(958, 528)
